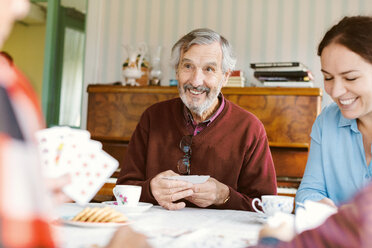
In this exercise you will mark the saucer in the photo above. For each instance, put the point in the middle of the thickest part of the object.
(141, 207)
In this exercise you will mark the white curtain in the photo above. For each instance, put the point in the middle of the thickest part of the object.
(72, 78)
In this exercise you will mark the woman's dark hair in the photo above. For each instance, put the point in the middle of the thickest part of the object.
(355, 33)
(7, 57)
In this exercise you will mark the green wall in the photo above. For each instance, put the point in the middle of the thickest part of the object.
(26, 45)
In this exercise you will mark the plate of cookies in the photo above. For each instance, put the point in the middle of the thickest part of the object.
(97, 217)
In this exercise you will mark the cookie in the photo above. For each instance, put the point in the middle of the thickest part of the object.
(81, 214)
(99, 215)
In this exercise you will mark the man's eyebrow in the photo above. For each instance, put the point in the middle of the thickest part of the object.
(186, 60)
(208, 63)
(211, 63)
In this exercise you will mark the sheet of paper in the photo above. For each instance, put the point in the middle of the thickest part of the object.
(195, 179)
(311, 215)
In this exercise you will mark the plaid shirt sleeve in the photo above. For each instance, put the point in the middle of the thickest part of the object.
(24, 205)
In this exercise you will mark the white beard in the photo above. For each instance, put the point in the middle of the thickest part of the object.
(196, 108)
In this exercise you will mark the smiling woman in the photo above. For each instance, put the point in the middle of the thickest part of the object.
(348, 80)
(339, 161)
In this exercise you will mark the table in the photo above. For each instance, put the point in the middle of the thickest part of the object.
(188, 227)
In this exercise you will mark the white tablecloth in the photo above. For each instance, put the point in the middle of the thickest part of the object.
(189, 227)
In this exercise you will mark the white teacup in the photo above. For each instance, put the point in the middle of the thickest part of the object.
(274, 203)
(128, 195)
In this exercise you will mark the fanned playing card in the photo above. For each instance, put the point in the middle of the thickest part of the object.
(53, 143)
(88, 174)
(66, 150)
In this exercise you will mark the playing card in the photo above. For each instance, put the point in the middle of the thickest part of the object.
(195, 179)
(65, 150)
(75, 150)
(50, 145)
(53, 142)
(88, 174)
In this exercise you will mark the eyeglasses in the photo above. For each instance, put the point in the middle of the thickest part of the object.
(183, 164)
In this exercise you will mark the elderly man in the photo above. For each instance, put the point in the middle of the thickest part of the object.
(200, 133)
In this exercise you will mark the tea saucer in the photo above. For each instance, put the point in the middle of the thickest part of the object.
(141, 207)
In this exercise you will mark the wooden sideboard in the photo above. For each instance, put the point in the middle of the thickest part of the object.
(287, 114)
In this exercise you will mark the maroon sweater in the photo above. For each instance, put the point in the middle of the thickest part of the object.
(233, 149)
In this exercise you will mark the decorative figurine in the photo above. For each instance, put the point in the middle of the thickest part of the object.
(132, 67)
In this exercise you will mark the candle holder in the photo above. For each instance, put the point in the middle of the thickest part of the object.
(155, 68)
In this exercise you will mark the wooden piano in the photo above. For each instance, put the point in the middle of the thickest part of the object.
(287, 114)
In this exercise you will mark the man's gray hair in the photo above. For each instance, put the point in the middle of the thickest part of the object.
(204, 36)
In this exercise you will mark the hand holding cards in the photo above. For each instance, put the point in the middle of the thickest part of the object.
(65, 150)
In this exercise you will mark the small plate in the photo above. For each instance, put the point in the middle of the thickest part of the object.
(141, 207)
(67, 221)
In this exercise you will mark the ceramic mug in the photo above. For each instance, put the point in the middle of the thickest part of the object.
(128, 195)
(273, 203)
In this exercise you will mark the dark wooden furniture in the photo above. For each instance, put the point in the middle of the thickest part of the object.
(287, 114)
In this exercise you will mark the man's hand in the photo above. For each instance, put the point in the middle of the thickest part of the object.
(212, 192)
(167, 191)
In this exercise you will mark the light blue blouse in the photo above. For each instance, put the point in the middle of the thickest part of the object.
(336, 167)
